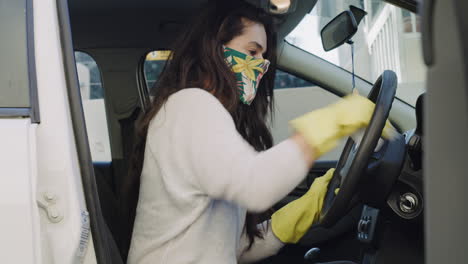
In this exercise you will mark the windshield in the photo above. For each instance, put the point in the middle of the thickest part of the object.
(388, 38)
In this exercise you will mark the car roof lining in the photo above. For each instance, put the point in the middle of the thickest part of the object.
(123, 4)
(151, 24)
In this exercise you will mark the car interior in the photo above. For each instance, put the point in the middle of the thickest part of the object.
(377, 217)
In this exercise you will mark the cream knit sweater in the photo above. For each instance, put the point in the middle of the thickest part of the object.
(199, 179)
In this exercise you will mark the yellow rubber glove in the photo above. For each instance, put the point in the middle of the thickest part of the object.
(323, 128)
(293, 220)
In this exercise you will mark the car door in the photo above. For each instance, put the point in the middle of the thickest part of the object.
(19, 119)
(45, 218)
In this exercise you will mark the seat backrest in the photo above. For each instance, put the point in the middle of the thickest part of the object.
(127, 189)
(115, 256)
(118, 195)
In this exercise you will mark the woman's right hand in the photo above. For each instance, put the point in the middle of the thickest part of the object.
(323, 128)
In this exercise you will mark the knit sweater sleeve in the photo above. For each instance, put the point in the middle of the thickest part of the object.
(223, 164)
(262, 248)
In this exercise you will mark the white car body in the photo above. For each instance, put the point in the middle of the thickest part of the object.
(44, 216)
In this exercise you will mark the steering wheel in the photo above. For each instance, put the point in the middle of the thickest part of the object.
(353, 162)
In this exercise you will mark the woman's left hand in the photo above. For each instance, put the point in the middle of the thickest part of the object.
(293, 220)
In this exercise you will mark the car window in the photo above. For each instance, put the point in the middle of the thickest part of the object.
(153, 66)
(389, 37)
(295, 96)
(92, 96)
(14, 79)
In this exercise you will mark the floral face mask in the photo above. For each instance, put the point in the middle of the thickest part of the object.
(248, 71)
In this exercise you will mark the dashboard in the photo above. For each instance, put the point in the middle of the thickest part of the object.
(406, 198)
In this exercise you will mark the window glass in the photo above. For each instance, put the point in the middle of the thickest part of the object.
(154, 64)
(285, 80)
(295, 96)
(14, 79)
(388, 38)
(92, 96)
(375, 7)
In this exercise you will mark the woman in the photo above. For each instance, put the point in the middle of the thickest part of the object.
(205, 154)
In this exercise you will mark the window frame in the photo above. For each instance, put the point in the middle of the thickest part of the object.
(101, 241)
(143, 89)
(318, 83)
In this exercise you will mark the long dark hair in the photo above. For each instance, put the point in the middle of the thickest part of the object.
(197, 60)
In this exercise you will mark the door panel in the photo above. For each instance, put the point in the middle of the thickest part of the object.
(19, 224)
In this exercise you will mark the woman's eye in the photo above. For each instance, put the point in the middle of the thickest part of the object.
(252, 52)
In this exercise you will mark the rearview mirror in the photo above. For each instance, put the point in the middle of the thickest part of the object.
(341, 29)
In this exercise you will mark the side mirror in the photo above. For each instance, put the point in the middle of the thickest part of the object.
(342, 28)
